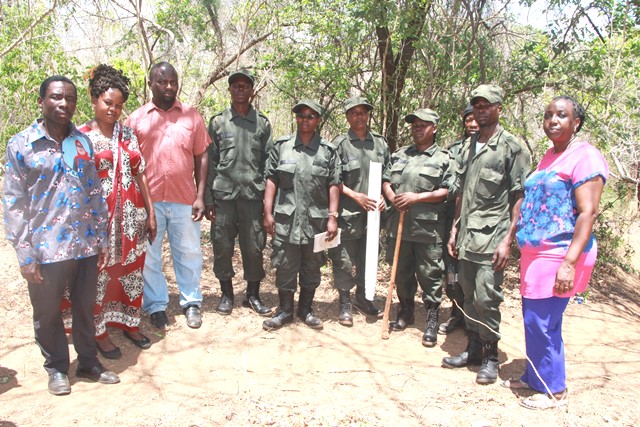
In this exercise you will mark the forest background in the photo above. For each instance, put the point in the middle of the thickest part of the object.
(401, 55)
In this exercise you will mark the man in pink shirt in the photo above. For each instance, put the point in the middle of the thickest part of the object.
(173, 139)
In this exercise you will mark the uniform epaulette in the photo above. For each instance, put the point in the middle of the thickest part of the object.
(339, 139)
(378, 135)
(282, 139)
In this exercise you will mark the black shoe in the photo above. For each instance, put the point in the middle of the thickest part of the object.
(97, 373)
(143, 343)
(305, 312)
(488, 373)
(225, 307)
(159, 319)
(284, 314)
(456, 320)
(192, 314)
(113, 354)
(365, 306)
(430, 337)
(472, 355)
(59, 384)
(406, 315)
(253, 299)
(345, 317)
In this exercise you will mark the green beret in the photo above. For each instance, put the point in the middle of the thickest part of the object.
(491, 93)
(241, 73)
(354, 101)
(423, 114)
(314, 105)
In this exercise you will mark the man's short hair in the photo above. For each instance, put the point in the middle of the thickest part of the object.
(45, 84)
(163, 64)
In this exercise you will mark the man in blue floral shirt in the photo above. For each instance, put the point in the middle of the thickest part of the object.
(56, 219)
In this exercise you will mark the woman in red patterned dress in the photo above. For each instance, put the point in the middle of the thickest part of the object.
(131, 217)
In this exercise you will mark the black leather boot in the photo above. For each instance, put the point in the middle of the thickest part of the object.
(430, 337)
(363, 304)
(488, 373)
(283, 315)
(456, 319)
(226, 300)
(304, 308)
(406, 315)
(253, 299)
(344, 317)
(472, 355)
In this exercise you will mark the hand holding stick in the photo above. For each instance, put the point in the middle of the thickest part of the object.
(392, 281)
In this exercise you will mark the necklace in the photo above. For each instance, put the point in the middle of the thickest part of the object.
(571, 141)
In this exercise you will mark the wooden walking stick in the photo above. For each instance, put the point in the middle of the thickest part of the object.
(392, 280)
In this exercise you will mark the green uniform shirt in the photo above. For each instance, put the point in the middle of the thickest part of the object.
(355, 156)
(488, 180)
(238, 155)
(418, 172)
(303, 175)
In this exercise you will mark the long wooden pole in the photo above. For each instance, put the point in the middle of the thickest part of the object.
(392, 281)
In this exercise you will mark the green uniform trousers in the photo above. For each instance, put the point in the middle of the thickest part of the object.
(348, 261)
(421, 261)
(241, 218)
(293, 261)
(482, 288)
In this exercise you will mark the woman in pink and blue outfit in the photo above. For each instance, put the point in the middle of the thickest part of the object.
(555, 236)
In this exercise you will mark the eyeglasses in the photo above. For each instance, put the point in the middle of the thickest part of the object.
(306, 116)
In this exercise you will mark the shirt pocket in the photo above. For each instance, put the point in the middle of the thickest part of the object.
(351, 173)
(320, 177)
(227, 151)
(283, 217)
(395, 174)
(180, 135)
(286, 175)
(489, 181)
(428, 179)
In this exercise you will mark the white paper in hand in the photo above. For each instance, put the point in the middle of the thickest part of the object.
(320, 242)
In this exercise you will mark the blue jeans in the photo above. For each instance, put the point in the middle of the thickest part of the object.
(174, 219)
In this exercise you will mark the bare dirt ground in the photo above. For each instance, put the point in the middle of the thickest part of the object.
(230, 372)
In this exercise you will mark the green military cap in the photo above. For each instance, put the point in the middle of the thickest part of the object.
(354, 101)
(423, 114)
(468, 110)
(241, 73)
(491, 93)
(314, 105)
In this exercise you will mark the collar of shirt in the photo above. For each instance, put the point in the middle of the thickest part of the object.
(251, 116)
(37, 131)
(313, 145)
(150, 106)
(413, 150)
(353, 137)
(492, 141)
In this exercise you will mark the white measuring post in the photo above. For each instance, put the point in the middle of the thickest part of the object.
(373, 232)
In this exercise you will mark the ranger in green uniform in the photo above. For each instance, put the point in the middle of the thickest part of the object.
(417, 182)
(235, 188)
(453, 289)
(356, 149)
(300, 201)
(493, 168)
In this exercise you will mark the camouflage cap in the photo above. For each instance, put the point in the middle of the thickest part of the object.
(241, 73)
(354, 101)
(491, 93)
(424, 114)
(314, 105)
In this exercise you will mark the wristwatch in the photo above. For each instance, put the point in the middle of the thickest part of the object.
(334, 214)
